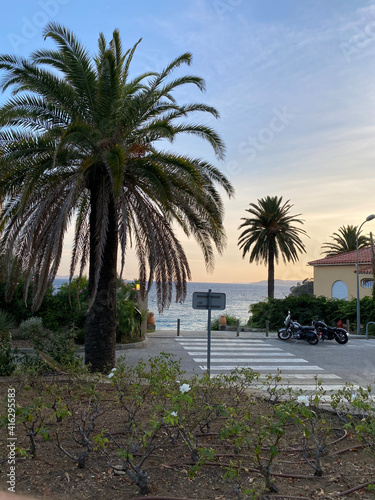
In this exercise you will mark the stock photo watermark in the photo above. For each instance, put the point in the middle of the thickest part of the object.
(12, 440)
(30, 26)
(223, 7)
(363, 36)
(257, 143)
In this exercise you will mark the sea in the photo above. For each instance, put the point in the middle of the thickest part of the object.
(239, 297)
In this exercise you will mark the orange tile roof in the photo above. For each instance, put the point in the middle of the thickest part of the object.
(365, 270)
(345, 259)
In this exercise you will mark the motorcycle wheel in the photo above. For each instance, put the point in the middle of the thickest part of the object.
(313, 340)
(284, 334)
(341, 337)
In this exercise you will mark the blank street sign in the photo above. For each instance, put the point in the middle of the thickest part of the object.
(200, 300)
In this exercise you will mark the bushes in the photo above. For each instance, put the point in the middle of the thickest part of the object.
(31, 328)
(231, 321)
(58, 345)
(304, 288)
(67, 306)
(17, 306)
(304, 308)
(66, 309)
(128, 315)
(150, 412)
(7, 358)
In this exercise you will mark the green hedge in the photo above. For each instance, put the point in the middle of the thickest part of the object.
(231, 321)
(66, 308)
(63, 308)
(20, 310)
(304, 308)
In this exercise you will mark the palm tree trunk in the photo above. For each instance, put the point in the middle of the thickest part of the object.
(271, 272)
(100, 328)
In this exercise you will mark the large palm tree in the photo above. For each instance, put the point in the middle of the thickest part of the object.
(270, 233)
(345, 241)
(82, 140)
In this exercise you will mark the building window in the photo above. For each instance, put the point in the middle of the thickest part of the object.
(367, 283)
(339, 290)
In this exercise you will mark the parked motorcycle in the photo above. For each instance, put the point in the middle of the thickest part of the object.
(325, 332)
(298, 332)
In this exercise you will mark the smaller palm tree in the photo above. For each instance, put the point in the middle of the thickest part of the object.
(7, 322)
(271, 233)
(345, 241)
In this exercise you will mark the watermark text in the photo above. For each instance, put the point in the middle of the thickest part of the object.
(12, 440)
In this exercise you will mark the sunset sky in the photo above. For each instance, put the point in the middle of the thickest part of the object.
(294, 82)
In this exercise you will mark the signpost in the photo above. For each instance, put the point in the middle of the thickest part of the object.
(209, 301)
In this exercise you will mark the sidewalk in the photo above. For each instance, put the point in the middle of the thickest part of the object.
(224, 334)
(169, 334)
(227, 334)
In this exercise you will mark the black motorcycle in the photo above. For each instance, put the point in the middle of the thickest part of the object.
(325, 332)
(294, 330)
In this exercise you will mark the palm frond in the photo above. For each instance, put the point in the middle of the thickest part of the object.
(83, 138)
(271, 232)
(345, 240)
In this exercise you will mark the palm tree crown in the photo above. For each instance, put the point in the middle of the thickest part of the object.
(82, 141)
(345, 241)
(271, 234)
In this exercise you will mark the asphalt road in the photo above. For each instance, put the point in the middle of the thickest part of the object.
(299, 362)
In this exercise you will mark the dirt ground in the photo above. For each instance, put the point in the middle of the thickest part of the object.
(347, 466)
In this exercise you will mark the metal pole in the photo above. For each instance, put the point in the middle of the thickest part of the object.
(267, 327)
(357, 269)
(368, 218)
(209, 333)
(178, 327)
(238, 328)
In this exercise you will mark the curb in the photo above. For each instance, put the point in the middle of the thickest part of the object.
(119, 347)
(124, 347)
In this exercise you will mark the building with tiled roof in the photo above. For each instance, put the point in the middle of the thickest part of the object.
(336, 277)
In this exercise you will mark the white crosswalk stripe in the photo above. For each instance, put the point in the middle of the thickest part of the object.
(261, 368)
(219, 349)
(248, 360)
(262, 357)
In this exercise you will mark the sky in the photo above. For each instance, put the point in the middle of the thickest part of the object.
(294, 83)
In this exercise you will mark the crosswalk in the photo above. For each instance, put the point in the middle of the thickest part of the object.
(263, 357)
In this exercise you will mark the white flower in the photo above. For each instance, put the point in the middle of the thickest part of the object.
(354, 396)
(303, 400)
(111, 375)
(113, 369)
(185, 388)
(173, 414)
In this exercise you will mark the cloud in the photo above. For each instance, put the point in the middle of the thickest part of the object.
(313, 58)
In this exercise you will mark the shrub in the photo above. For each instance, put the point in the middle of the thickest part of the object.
(304, 308)
(68, 306)
(306, 287)
(7, 322)
(128, 315)
(231, 321)
(7, 357)
(31, 328)
(66, 309)
(17, 306)
(59, 345)
(79, 336)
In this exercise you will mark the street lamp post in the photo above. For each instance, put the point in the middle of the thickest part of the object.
(370, 217)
